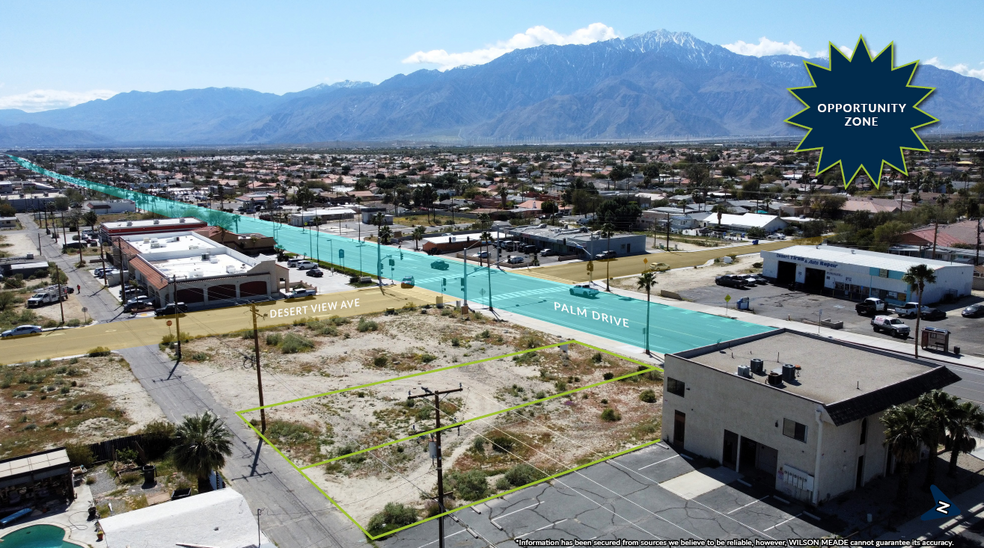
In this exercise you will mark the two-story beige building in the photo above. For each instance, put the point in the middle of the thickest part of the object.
(798, 408)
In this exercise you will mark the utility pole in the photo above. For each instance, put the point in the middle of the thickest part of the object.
(177, 311)
(61, 304)
(256, 358)
(440, 469)
(977, 256)
(78, 229)
(119, 244)
(258, 534)
(668, 222)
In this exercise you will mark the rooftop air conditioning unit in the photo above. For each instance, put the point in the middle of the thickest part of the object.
(213, 260)
(182, 220)
(157, 221)
(129, 223)
(205, 256)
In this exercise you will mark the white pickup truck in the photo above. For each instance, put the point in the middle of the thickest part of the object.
(302, 292)
(45, 296)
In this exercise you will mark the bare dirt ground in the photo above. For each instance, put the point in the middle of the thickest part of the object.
(18, 244)
(547, 437)
(82, 400)
(681, 279)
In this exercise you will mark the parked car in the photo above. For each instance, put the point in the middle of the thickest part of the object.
(171, 309)
(440, 265)
(933, 314)
(482, 255)
(529, 248)
(140, 306)
(584, 290)
(731, 281)
(305, 265)
(608, 254)
(870, 307)
(547, 253)
(21, 330)
(315, 272)
(893, 326)
(759, 279)
(301, 292)
(973, 311)
(292, 263)
(659, 267)
(407, 282)
(515, 259)
(749, 279)
(908, 310)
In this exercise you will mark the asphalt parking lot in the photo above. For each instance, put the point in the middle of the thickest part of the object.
(782, 303)
(653, 493)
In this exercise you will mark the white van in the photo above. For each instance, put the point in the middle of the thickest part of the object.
(305, 265)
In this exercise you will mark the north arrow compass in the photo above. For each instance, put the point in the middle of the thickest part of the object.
(861, 113)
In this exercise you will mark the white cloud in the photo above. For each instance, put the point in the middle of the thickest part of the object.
(766, 47)
(51, 99)
(959, 68)
(536, 36)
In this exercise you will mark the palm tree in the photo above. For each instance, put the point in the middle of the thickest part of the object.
(966, 419)
(939, 406)
(607, 231)
(917, 277)
(418, 234)
(904, 427)
(201, 445)
(646, 281)
(486, 239)
(385, 233)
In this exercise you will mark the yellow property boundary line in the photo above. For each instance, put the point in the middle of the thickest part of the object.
(300, 469)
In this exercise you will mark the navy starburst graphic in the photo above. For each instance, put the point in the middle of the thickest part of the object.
(861, 113)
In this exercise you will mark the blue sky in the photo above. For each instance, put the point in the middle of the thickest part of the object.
(59, 53)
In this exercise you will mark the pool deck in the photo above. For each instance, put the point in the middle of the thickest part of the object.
(72, 518)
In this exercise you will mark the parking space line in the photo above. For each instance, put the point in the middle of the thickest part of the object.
(749, 504)
(542, 528)
(515, 511)
(657, 462)
(786, 521)
(445, 536)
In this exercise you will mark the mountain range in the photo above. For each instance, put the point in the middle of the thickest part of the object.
(649, 86)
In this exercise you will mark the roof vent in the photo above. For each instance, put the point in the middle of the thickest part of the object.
(745, 371)
(181, 220)
(157, 221)
(204, 256)
(129, 223)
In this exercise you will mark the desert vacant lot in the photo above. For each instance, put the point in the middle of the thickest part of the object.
(49, 403)
(557, 400)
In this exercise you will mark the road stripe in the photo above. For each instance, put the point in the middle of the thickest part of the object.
(749, 504)
(786, 521)
(542, 528)
(516, 511)
(657, 462)
(445, 536)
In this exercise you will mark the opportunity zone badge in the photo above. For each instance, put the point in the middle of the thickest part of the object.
(861, 113)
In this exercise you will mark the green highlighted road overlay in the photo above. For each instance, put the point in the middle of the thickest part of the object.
(520, 419)
(607, 315)
(861, 112)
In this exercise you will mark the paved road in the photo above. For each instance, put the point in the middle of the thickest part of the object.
(295, 515)
(576, 271)
(149, 330)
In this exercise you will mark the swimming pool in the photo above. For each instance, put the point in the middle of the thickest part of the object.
(38, 536)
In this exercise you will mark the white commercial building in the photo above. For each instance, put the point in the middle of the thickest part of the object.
(797, 412)
(190, 268)
(857, 274)
(312, 216)
(741, 223)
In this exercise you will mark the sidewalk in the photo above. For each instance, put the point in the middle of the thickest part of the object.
(971, 512)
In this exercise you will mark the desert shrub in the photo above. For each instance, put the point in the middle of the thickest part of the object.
(597, 357)
(502, 484)
(501, 444)
(199, 357)
(367, 325)
(530, 340)
(561, 386)
(478, 446)
(80, 455)
(273, 339)
(126, 454)
(523, 474)
(380, 361)
(648, 396)
(427, 358)
(157, 436)
(97, 351)
(74, 322)
(129, 478)
(292, 344)
(608, 376)
(338, 320)
(288, 433)
(610, 415)
(455, 341)
(47, 324)
(393, 516)
(470, 485)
